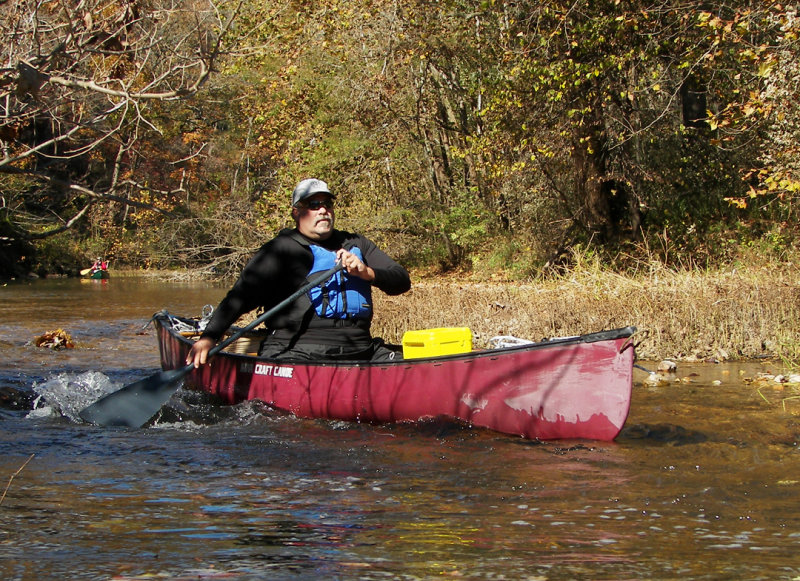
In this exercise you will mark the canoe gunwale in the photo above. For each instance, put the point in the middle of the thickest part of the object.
(606, 335)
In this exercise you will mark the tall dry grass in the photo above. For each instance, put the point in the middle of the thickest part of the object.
(744, 312)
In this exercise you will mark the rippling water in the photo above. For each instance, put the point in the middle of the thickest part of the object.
(704, 482)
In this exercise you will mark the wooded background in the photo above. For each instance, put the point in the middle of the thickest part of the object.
(458, 134)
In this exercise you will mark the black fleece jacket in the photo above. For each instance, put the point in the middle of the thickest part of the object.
(280, 267)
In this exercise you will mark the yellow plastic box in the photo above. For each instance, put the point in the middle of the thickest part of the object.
(436, 342)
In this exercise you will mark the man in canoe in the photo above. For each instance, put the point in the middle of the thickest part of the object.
(332, 322)
(99, 264)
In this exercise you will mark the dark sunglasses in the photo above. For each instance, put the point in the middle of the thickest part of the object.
(317, 204)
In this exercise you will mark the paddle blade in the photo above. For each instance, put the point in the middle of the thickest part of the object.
(133, 405)
(85, 271)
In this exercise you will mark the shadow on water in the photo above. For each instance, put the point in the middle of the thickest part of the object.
(702, 483)
(668, 434)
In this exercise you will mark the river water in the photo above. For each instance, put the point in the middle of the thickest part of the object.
(703, 483)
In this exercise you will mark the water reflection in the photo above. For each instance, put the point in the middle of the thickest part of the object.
(702, 483)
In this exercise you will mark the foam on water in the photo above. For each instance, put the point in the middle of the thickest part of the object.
(66, 394)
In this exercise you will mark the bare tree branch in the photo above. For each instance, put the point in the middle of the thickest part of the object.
(77, 86)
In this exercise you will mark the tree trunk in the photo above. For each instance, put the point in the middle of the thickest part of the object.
(609, 210)
(589, 159)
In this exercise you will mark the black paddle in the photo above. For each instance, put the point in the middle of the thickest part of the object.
(134, 404)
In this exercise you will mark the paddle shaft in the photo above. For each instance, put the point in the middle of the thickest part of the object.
(135, 404)
(317, 280)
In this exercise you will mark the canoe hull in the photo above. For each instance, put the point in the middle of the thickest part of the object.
(562, 389)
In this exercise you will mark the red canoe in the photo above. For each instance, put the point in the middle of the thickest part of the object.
(577, 387)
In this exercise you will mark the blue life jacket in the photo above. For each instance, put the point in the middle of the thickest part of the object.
(342, 296)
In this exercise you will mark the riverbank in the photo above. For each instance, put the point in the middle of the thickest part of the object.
(740, 313)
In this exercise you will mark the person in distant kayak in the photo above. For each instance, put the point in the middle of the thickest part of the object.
(99, 264)
(331, 322)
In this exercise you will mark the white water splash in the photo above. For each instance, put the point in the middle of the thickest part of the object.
(66, 394)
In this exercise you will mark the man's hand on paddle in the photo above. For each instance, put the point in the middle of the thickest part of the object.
(199, 351)
(353, 265)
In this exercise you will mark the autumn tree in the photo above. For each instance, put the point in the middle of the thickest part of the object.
(607, 119)
(372, 96)
(77, 89)
(449, 129)
(453, 125)
(771, 107)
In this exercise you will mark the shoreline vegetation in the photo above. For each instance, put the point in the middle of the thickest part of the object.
(735, 313)
(683, 316)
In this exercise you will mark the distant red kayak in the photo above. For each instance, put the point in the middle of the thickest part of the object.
(572, 388)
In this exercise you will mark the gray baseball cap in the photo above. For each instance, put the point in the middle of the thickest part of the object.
(308, 188)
